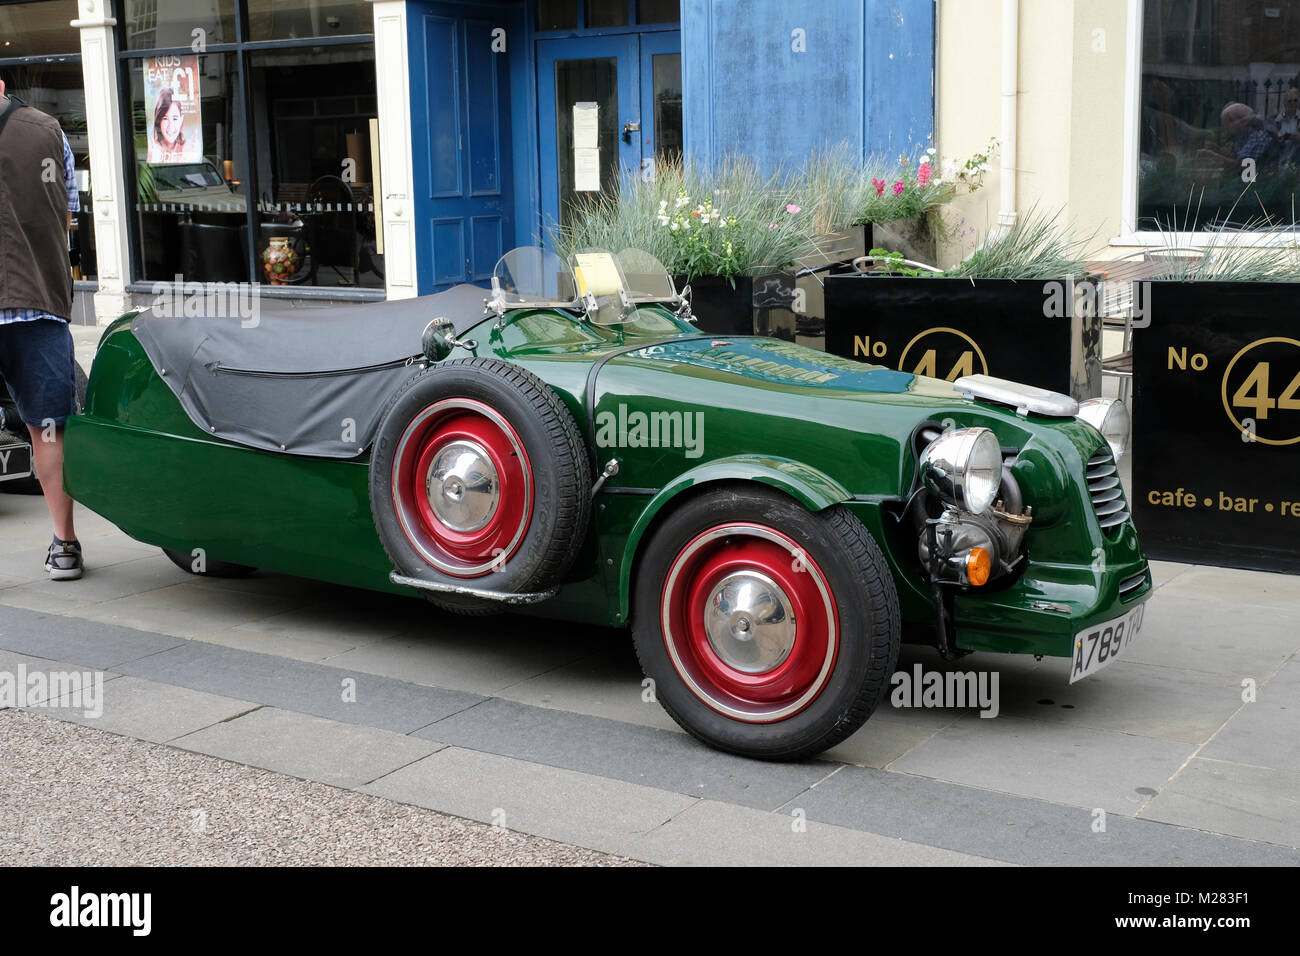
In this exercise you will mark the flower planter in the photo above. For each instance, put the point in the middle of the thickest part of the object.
(911, 237)
(719, 307)
(1040, 333)
(1216, 423)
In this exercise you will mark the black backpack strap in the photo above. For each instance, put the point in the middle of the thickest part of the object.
(14, 104)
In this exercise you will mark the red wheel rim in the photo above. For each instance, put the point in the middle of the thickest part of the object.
(749, 622)
(462, 487)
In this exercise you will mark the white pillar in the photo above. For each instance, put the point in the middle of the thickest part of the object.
(1010, 114)
(107, 173)
(396, 187)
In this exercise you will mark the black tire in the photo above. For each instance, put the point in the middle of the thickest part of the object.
(32, 485)
(536, 508)
(211, 569)
(835, 600)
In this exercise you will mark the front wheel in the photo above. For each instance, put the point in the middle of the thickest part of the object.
(770, 631)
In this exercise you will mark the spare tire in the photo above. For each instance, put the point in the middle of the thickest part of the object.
(479, 478)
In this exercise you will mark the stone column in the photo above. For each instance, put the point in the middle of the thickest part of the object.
(107, 172)
(396, 188)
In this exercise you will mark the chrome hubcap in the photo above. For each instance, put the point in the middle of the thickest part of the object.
(750, 622)
(462, 486)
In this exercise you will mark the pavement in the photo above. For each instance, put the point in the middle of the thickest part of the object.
(1184, 752)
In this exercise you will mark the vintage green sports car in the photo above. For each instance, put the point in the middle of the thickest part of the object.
(770, 521)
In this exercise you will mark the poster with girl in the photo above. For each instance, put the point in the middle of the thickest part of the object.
(172, 109)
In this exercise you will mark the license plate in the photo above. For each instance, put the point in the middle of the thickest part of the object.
(1101, 644)
(15, 460)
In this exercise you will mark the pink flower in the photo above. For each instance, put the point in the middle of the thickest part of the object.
(771, 225)
(898, 189)
(880, 186)
(923, 175)
(792, 208)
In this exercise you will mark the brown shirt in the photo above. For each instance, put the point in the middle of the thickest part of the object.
(34, 271)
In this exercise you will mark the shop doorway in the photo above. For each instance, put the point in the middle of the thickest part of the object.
(608, 106)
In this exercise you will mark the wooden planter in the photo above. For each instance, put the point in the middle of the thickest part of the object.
(1216, 423)
(1039, 333)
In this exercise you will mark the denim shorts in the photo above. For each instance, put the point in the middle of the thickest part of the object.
(36, 360)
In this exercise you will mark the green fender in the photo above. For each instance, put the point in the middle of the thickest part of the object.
(811, 488)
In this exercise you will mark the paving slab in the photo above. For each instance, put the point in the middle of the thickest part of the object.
(717, 834)
(1162, 572)
(24, 562)
(190, 608)
(148, 710)
(636, 754)
(1255, 803)
(1017, 829)
(92, 644)
(1265, 732)
(1234, 586)
(1072, 766)
(1147, 700)
(347, 696)
(478, 655)
(123, 579)
(583, 809)
(313, 748)
(1215, 635)
(605, 683)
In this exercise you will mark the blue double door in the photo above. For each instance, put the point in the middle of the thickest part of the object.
(630, 87)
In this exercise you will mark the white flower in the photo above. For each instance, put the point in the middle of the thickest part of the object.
(682, 201)
(673, 227)
(930, 151)
(984, 167)
(663, 220)
(663, 204)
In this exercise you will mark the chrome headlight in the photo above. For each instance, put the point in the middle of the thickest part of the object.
(1111, 418)
(964, 468)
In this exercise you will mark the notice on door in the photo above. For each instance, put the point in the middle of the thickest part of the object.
(586, 170)
(586, 125)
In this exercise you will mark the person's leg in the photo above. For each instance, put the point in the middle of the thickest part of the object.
(47, 458)
(39, 372)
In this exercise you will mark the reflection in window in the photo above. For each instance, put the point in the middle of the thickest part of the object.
(1219, 138)
(292, 19)
(164, 24)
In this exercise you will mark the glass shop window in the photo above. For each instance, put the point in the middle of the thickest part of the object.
(1220, 115)
(191, 190)
(316, 142)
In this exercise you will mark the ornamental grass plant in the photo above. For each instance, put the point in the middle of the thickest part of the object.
(1223, 257)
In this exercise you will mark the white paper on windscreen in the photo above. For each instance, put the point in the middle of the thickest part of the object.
(586, 170)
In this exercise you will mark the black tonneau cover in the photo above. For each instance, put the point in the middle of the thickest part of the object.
(311, 380)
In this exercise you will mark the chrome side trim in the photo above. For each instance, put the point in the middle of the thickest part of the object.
(505, 597)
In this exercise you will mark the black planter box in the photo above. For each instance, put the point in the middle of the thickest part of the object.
(1041, 333)
(1216, 424)
(720, 308)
